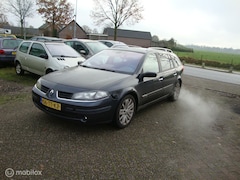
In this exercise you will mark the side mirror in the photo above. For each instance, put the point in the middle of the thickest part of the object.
(44, 56)
(83, 52)
(146, 74)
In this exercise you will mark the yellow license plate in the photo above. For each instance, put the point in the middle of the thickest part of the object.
(13, 53)
(51, 104)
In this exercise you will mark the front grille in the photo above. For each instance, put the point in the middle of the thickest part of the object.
(64, 95)
(44, 89)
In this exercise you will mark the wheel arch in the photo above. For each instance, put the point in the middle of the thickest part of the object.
(132, 92)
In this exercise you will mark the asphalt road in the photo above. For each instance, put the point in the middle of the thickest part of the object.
(213, 74)
(197, 137)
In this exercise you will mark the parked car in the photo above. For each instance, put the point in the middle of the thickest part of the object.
(86, 47)
(8, 36)
(111, 43)
(8, 47)
(44, 57)
(110, 86)
(45, 38)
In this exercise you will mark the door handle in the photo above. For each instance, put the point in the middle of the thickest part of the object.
(161, 79)
(175, 74)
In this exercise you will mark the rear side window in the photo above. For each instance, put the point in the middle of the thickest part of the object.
(165, 63)
(24, 47)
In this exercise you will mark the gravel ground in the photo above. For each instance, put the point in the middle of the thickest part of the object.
(197, 137)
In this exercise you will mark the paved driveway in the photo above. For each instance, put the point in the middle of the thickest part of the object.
(197, 137)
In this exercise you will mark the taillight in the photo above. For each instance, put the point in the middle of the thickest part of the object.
(2, 51)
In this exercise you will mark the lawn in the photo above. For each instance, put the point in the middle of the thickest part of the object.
(8, 73)
(223, 58)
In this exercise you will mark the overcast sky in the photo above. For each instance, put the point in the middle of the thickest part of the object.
(199, 22)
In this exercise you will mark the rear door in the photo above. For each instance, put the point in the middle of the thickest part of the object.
(168, 73)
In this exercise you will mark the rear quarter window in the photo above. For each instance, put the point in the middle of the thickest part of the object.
(24, 47)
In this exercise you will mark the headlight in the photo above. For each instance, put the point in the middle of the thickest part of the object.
(38, 84)
(91, 95)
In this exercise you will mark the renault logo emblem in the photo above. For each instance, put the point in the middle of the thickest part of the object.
(50, 93)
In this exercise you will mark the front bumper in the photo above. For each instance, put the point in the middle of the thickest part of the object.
(101, 112)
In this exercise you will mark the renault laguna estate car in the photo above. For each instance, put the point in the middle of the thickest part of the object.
(110, 86)
(40, 57)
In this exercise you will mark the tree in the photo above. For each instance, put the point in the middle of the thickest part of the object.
(55, 12)
(172, 43)
(155, 38)
(3, 17)
(116, 12)
(87, 29)
(21, 9)
(95, 31)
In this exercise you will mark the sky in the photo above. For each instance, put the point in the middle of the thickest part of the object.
(190, 22)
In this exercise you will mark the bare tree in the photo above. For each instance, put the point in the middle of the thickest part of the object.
(21, 9)
(3, 17)
(117, 12)
(55, 12)
(87, 29)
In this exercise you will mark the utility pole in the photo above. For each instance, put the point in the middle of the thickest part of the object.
(75, 25)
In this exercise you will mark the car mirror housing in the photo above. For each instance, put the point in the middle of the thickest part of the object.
(146, 74)
(83, 52)
(45, 56)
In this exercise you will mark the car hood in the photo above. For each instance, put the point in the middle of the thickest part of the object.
(86, 78)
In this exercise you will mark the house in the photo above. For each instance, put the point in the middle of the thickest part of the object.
(138, 38)
(46, 29)
(68, 31)
(29, 32)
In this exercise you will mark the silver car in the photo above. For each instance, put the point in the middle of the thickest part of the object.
(86, 47)
(44, 57)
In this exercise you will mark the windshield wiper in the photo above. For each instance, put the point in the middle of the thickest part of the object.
(104, 69)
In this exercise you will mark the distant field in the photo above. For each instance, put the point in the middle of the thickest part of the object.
(212, 56)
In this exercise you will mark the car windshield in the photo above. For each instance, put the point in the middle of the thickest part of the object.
(62, 50)
(96, 46)
(115, 61)
(10, 43)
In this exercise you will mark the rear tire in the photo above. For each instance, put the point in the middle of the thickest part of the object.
(125, 112)
(18, 69)
(176, 91)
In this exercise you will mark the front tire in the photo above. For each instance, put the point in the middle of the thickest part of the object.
(125, 111)
(18, 69)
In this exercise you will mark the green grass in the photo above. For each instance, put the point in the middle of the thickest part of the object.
(12, 97)
(212, 56)
(8, 73)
